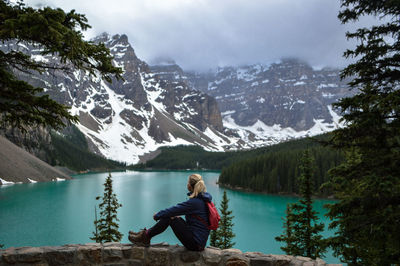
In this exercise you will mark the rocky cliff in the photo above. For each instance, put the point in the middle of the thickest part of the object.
(131, 117)
(269, 103)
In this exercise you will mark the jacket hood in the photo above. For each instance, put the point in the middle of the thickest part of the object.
(204, 196)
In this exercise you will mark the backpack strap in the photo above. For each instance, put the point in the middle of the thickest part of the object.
(200, 219)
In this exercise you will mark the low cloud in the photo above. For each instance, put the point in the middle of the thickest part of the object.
(203, 34)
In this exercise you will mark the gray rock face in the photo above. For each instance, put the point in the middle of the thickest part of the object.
(289, 93)
(136, 115)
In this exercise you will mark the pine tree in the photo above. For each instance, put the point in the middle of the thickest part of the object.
(213, 238)
(224, 235)
(107, 226)
(57, 33)
(292, 247)
(366, 217)
(302, 230)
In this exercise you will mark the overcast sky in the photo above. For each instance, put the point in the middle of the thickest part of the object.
(203, 34)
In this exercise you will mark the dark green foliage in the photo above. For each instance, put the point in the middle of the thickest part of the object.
(107, 226)
(301, 227)
(186, 157)
(367, 215)
(58, 33)
(223, 236)
(72, 151)
(213, 238)
(276, 171)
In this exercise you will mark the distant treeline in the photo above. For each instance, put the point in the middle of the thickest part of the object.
(272, 169)
(195, 157)
(71, 150)
(277, 171)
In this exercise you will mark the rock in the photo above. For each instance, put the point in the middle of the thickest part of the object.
(309, 263)
(189, 256)
(59, 255)
(23, 255)
(157, 257)
(237, 260)
(262, 261)
(212, 256)
(135, 263)
(116, 254)
(112, 253)
(282, 260)
(89, 254)
(138, 253)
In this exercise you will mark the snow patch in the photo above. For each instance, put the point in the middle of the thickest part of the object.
(5, 183)
(299, 83)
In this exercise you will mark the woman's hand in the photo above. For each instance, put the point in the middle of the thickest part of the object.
(154, 216)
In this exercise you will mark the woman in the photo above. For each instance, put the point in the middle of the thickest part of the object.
(193, 233)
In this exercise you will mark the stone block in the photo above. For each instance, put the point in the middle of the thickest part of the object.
(59, 255)
(30, 255)
(112, 253)
(89, 254)
(189, 256)
(282, 260)
(309, 263)
(157, 257)
(262, 261)
(304, 259)
(126, 251)
(135, 263)
(232, 251)
(237, 260)
(211, 256)
(111, 244)
(138, 253)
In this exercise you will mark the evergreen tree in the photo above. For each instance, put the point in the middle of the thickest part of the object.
(224, 235)
(57, 33)
(366, 217)
(302, 230)
(213, 238)
(107, 226)
(292, 246)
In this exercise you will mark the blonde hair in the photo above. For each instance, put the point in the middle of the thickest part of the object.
(197, 183)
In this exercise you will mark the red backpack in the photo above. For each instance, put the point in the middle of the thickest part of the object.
(213, 216)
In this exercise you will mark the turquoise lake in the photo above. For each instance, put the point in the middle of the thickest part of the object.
(58, 213)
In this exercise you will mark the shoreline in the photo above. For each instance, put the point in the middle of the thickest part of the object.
(248, 190)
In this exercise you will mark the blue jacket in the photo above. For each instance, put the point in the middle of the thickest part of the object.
(192, 206)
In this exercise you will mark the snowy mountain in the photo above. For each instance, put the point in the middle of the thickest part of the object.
(132, 117)
(162, 105)
(266, 104)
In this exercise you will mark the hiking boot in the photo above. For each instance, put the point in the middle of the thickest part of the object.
(140, 238)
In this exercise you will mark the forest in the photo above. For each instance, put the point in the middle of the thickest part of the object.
(277, 171)
(272, 169)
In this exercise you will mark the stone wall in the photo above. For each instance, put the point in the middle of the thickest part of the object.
(117, 254)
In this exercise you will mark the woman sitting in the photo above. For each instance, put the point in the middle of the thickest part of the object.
(192, 233)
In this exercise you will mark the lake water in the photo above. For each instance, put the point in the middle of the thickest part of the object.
(58, 213)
